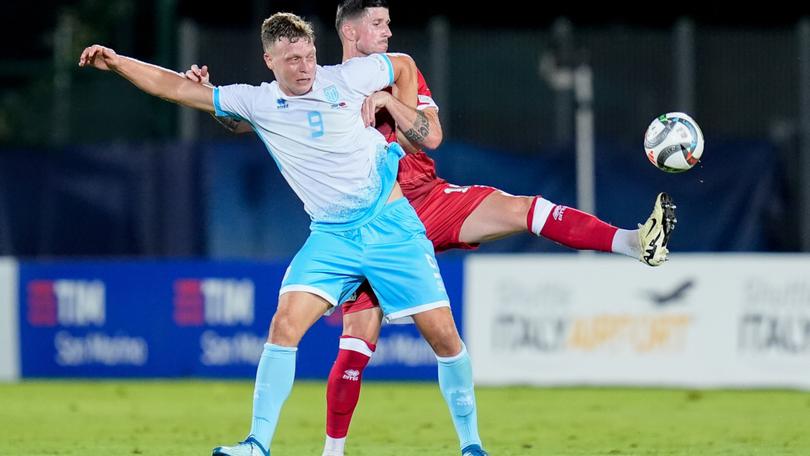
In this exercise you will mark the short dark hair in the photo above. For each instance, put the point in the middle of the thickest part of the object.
(285, 25)
(352, 9)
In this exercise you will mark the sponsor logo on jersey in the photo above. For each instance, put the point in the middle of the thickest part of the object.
(282, 104)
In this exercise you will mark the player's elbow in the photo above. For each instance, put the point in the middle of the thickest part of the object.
(435, 135)
(433, 140)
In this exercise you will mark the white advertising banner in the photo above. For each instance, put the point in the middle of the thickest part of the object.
(697, 321)
(9, 322)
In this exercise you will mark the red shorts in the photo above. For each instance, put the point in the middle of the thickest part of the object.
(443, 211)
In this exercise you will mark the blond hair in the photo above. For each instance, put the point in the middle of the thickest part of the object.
(285, 25)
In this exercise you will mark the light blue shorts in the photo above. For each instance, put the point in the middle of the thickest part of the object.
(391, 251)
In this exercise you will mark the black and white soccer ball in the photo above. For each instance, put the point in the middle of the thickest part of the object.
(673, 142)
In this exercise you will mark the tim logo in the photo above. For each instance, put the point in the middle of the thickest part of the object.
(225, 302)
(66, 303)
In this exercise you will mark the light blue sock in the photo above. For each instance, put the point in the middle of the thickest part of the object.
(455, 381)
(274, 381)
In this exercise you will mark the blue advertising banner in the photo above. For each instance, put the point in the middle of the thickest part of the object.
(180, 319)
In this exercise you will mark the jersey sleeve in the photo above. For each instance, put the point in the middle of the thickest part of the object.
(369, 74)
(424, 98)
(235, 101)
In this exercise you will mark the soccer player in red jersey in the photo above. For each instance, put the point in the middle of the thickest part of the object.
(455, 217)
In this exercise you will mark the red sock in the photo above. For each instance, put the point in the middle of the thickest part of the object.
(343, 386)
(570, 227)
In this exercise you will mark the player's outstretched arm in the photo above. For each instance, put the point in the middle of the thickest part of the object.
(152, 79)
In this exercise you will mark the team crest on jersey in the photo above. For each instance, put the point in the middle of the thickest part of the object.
(331, 93)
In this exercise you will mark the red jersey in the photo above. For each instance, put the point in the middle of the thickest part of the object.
(417, 172)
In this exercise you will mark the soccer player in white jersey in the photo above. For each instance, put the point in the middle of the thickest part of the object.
(455, 217)
(345, 173)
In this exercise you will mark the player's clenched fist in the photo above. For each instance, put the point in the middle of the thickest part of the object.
(100, 57)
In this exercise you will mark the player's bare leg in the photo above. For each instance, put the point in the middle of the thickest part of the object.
(296, 312)
(361, 330)
(364, 324)
(455, 375)
(498, 216)
(501, 215)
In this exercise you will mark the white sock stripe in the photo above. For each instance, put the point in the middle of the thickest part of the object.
(542, 209)
(450, 359)
(626, 242)
(355, 345)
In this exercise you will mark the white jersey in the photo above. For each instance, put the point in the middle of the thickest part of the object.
(341, 170)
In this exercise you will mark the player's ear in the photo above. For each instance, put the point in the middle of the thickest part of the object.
(348, 31)
(268, 60)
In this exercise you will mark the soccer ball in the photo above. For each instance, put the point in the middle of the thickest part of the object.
(673, 142)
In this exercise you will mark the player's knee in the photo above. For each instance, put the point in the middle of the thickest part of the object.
(445, 342)
(363, 325)
(368, 334)
(518, 209)
(521, 206)
(285, 330)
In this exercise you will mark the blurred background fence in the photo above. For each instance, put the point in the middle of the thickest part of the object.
(91, 166)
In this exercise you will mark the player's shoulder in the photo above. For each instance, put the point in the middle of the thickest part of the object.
(328, 70)
(357, 67)
(264, 91)
(400, 56)
(330, 74)
(381, 59)
(263, 87)
(371, 59)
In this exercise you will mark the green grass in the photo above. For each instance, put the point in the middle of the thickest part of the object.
(189, 418)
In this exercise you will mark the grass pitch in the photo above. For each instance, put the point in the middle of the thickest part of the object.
(397, 419)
